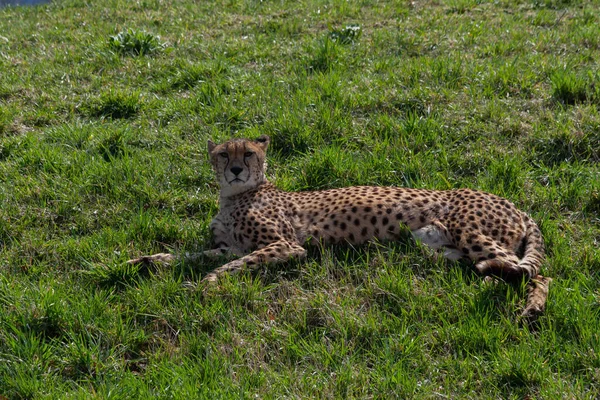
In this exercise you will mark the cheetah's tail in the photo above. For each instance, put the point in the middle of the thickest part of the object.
(533, 254)
(532, 260)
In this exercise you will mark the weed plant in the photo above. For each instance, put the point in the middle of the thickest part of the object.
(135, 43)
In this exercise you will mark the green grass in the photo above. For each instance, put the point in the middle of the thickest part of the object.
(105, 110)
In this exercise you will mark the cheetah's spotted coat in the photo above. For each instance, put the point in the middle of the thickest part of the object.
(261, 224)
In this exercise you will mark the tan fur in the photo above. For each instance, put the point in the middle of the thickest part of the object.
(261, 224)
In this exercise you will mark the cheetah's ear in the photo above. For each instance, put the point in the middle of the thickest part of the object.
(211, 146)
(263, 141)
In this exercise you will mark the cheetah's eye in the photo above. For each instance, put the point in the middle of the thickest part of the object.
(224, 154)
(248, 154)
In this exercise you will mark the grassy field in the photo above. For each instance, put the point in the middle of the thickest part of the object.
(105, 110)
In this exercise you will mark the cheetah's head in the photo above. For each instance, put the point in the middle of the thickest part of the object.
(239, 164)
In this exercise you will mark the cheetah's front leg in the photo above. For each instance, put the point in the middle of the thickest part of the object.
(223, 251)
(160, 257)
(168, 258)
(275, 252)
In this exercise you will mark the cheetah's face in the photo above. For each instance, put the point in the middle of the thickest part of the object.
(239, 164)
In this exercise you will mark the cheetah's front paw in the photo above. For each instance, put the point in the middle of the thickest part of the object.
(210, 278)
(232, 267)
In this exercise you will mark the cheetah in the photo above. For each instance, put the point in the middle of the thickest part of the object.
(261, 224)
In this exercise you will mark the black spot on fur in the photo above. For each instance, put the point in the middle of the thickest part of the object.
(521, 250)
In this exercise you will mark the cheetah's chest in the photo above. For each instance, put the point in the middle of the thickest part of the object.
(247, 225)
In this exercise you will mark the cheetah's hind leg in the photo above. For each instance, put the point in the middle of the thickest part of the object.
(436, 236)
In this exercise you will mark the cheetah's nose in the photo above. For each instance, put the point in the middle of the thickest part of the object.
(236, 170)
